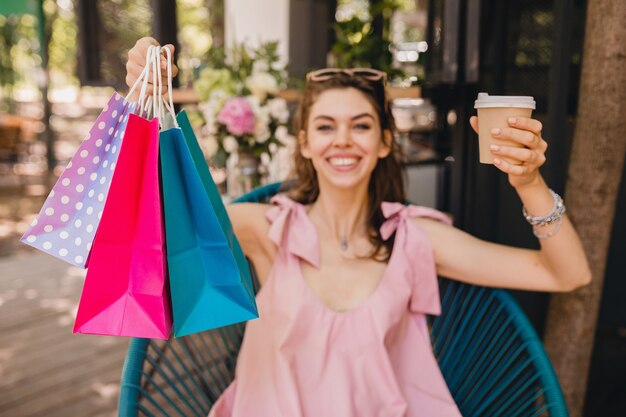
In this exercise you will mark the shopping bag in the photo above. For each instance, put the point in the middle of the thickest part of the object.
(69, 218)
(125, 291)
(209, 278)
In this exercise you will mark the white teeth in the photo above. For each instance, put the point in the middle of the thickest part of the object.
(342, 161)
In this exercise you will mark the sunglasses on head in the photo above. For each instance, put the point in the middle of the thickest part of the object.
(328, 73)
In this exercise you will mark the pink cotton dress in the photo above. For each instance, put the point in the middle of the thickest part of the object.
(302, 359)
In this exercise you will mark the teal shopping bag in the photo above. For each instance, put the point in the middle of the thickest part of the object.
(209, 277)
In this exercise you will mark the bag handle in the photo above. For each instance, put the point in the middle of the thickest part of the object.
(169, 105)
(155, 104)
(151, 107)
(144, 103)
(162, 108)
(142, 79)
(156, 83)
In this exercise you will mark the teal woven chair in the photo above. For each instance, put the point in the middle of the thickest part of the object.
(489, 354)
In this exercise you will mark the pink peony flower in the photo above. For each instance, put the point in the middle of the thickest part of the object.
(237, 116)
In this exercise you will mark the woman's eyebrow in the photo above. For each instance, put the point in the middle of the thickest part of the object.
(358, 116)
(323, 116)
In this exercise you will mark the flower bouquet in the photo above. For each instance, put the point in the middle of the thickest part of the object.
(245, 119)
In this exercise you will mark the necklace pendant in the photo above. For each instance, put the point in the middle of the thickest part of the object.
(344, 244)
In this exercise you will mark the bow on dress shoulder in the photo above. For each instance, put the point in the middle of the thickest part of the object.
(416, 251)
(292, 228)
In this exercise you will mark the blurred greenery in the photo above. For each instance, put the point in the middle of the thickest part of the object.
(362, 31)
(20, 59)
(122, 22)
(201, 28)
(534, 45)
(62, 52)
(18, 38)
(20, 52)
(358, 41)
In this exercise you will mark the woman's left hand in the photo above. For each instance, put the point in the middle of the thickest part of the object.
(526, 132)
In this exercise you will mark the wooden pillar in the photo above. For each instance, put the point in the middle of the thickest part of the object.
(164, 25)
(310, 33)
(88, 42)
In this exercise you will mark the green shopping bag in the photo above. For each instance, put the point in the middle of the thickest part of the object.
(209, 277)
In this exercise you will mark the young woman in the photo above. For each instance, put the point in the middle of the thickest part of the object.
(348, 272)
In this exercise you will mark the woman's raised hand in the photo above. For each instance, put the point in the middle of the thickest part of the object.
(137, 62)
(526, 132)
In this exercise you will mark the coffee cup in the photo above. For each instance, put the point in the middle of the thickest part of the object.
(494, 112)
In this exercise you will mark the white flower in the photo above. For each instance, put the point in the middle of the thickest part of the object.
(278, 109)
(260, 112)
(209, 146)
(210, 109)
(261, 131)
(281, 133)
(261, 84)
(265, 159)
(273, 148)
(289, 141)
(210, 127)
(255, 102)
(230, 144)
(263, 114)
(278, 66)
(260, 66)
(283, 136)
(280, 164)
(218, 97)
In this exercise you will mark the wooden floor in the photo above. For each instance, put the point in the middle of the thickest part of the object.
(45, 370)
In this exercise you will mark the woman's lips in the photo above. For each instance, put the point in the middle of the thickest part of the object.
(343, 163)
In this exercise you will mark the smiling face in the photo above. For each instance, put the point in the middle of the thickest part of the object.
(343, 138)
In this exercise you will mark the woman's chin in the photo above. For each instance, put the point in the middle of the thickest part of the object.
(344, 181)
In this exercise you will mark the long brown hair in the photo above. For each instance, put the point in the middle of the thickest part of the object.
(387, 180)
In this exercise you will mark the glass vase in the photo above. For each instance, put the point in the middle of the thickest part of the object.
(242, 173)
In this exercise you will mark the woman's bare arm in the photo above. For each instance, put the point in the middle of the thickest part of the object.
(251, 228)
(559, 266)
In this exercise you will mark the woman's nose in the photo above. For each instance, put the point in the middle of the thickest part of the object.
(342, 138)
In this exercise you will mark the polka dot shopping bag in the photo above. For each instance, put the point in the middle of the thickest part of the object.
(69, 218)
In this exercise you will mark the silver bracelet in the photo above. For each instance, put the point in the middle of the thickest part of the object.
(552, 232)
(554, 215)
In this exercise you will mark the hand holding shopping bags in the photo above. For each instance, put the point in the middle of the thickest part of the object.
(125, 291)
(209, 278)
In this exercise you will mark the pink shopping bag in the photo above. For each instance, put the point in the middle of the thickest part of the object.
(125, 291)
(69, 218)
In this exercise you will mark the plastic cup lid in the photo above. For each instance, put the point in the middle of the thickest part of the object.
(484, 100)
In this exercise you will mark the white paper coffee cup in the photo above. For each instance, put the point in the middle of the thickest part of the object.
(494, 112)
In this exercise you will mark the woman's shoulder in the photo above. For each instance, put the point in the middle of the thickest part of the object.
(252, 230)
(263, 214)
(431, 221)
(250, 211)
(417, 213)
(248, 220)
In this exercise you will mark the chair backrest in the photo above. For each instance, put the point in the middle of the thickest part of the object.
(489, 354)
